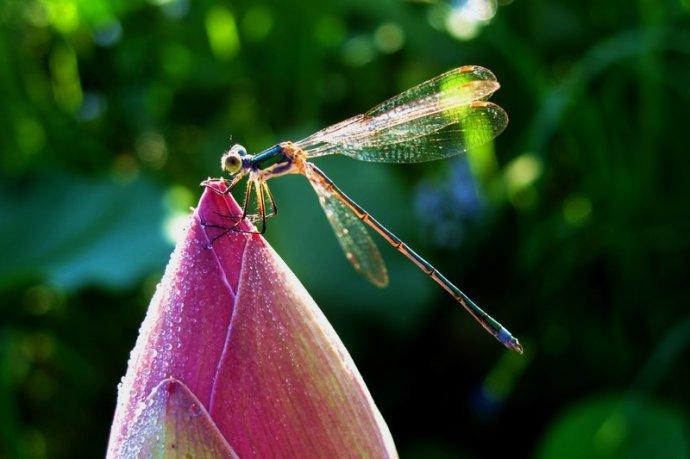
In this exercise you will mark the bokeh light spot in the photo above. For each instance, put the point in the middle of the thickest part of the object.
(460, 26)
(66, 84)
(222, 33)
(358, 51)
(64, 15)
(523, 171)
(478, 10)
(175, 226)
(519, 176)
(174, 9)
(151, 149)
(437, 15)
(257, 23)
(177, 201)
(577, 210)
(36, 14)
(92, 107)
(179, 198)
(108, 33)
(389, 38)
(465, 19)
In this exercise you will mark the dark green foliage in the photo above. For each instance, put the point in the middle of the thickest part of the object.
(111, 113)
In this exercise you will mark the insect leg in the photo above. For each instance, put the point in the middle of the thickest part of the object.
(226, 230)
(261, 216)
(228, 186)
(262, 205)
(269, 195)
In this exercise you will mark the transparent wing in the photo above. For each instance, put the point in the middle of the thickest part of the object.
(477, 124)
(359, 248)
(439, 118)
(467, 83)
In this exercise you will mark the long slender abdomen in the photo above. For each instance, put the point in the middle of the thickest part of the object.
(485, 320)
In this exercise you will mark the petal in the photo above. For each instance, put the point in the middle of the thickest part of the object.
(173, 423)
(234, 324)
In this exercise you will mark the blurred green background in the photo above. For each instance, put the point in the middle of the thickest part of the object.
(573, 230)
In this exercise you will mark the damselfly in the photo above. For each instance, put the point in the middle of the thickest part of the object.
(437, 119)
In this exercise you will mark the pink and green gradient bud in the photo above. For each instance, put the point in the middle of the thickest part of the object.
(234, 359)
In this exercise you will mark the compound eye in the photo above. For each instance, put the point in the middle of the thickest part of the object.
(240, 150)
(231, 162)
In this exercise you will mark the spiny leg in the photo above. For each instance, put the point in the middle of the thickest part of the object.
(247, 196)
(262, 205)
(227, 191)
(207, 183)
(226, 230)
(261, 216)
(261, 188)
(269, 195)
(228, 187)
(233, 184)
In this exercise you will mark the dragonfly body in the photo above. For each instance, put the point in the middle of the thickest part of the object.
(272, 162)
(439, 118)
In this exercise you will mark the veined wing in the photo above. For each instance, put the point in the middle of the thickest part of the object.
(474, 125)
(470, 82)
(359, 248)
(439, 118)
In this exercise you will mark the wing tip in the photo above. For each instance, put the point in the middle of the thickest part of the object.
(379, 279)
(482, 72)
(490, 106)
(381, 282)
(479, 72)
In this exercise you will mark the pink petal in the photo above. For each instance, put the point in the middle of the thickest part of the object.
(173, 423)
(236, 327)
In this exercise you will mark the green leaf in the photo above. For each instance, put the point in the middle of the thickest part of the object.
(611, 427)
(74, 231)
